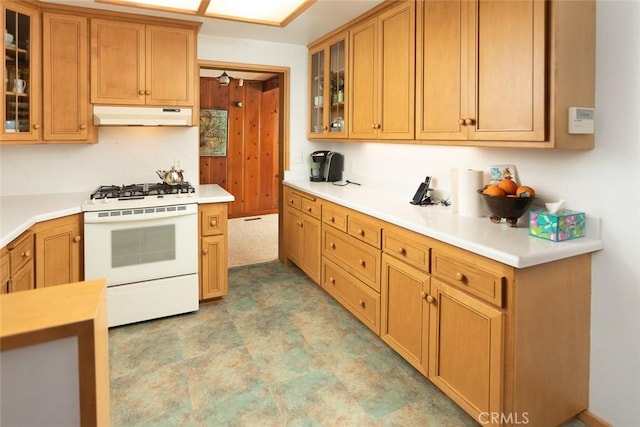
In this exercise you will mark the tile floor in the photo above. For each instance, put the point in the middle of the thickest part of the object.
(276, 351)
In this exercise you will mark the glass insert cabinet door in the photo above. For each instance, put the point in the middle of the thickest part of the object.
(328, 89)
(20, 90)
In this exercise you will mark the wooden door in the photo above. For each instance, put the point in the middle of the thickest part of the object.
(213, 267)
(507, 71)
(117, 62)
(23, 279)
(58, 246)
(396, 61)
(67, 113)
(441, 75)
(363, 81)
(405, 313)
(170, 66)
(466, 349)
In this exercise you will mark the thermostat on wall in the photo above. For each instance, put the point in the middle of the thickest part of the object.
(581, 120)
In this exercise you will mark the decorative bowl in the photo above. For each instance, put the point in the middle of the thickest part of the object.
(510, 208)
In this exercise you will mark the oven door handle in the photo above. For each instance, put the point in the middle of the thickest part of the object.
(103, 217)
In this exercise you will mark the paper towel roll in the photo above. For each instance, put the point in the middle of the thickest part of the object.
(469, 201)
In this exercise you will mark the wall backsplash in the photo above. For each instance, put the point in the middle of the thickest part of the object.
(122, 155)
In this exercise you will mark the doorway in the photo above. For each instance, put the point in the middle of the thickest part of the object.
(255, 102)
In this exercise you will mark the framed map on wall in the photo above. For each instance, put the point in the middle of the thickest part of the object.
(213, 132)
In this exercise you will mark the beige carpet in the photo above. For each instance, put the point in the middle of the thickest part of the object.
(253, 240)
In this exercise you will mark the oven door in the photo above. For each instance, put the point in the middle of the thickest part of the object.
(136, 245)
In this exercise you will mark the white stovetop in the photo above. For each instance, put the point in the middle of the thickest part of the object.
(18, 213)
(509, 245)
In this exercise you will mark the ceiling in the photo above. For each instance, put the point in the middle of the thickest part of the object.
(319, 19)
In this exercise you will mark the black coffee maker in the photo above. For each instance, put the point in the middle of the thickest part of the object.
(326, 166)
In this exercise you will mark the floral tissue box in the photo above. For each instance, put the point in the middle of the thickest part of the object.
(558, 226)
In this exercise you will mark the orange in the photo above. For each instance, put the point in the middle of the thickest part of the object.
(508, 186)
(524, 191)
(493, 190)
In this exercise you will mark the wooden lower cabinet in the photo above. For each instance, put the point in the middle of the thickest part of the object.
(17, 264)
(59, 251)
(213, 250)
(302, 232)
(405, 311)
(466, 349)
(5, 272)
(508, 345)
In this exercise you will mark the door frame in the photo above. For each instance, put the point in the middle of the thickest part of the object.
(284, 81)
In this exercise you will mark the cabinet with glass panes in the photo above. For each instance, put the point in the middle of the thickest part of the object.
(327, 64)
(21, 104)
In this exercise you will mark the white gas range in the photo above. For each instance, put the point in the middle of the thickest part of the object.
(143, 239)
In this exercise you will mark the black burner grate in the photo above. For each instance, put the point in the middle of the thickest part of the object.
(138, 191)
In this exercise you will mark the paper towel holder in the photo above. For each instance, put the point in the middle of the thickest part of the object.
(422, 197)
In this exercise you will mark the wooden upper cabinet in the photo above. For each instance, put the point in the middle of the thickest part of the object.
(66, 108)
(382, 75)
(21, 107)
(137, 64)
(481, 70)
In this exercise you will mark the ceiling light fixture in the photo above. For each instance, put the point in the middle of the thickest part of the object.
(224, 78)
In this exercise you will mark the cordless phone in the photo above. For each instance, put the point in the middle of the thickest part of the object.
(421, 197)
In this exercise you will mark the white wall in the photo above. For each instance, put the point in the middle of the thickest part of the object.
(603, 182)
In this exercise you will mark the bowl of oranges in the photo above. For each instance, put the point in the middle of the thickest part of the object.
(506, 199)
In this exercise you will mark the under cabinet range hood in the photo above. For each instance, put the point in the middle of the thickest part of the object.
(141, 116)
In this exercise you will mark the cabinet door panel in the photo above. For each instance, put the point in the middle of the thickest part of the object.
(458, 323)
(311, 247)
(363, 81)
(23, 280)
(213, 274)
(405, 313)
(441, 88)
(58, 256)
(170, 75)
(66, 80)
(117, 62)
(397, 62)
(510, 84)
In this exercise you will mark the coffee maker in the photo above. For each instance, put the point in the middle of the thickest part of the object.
(326, 166)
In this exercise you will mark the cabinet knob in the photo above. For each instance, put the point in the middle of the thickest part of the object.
(361, 232)
(430, 299)
(301, 224)
(458, 276)
(26, 254)
(213, 223)
(309, 209)
(402, 250)
(205, 251)
(83, 127)
(332, 245)
(77, 239)
(469, 121)
(291, 201)
(36, 126)
(147, 92)
(332, 219)
(362, 263)
(461, 122)
(361, 303)
(141, 92)
(332, 280)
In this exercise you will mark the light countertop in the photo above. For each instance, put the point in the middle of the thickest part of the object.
(510, 245)
(18, 213)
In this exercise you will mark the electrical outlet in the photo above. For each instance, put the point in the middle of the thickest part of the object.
(296, 157)
(178, 164)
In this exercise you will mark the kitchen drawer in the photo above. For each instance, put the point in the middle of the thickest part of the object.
(292, 198)
(355, 296)
(410, 247)
(213, 219)
(366, 229)
(310, 206)
(485, 284)
(21, 251)
(356, 257)
(335, 216)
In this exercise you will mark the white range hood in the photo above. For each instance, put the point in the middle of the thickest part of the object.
(141, 116)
